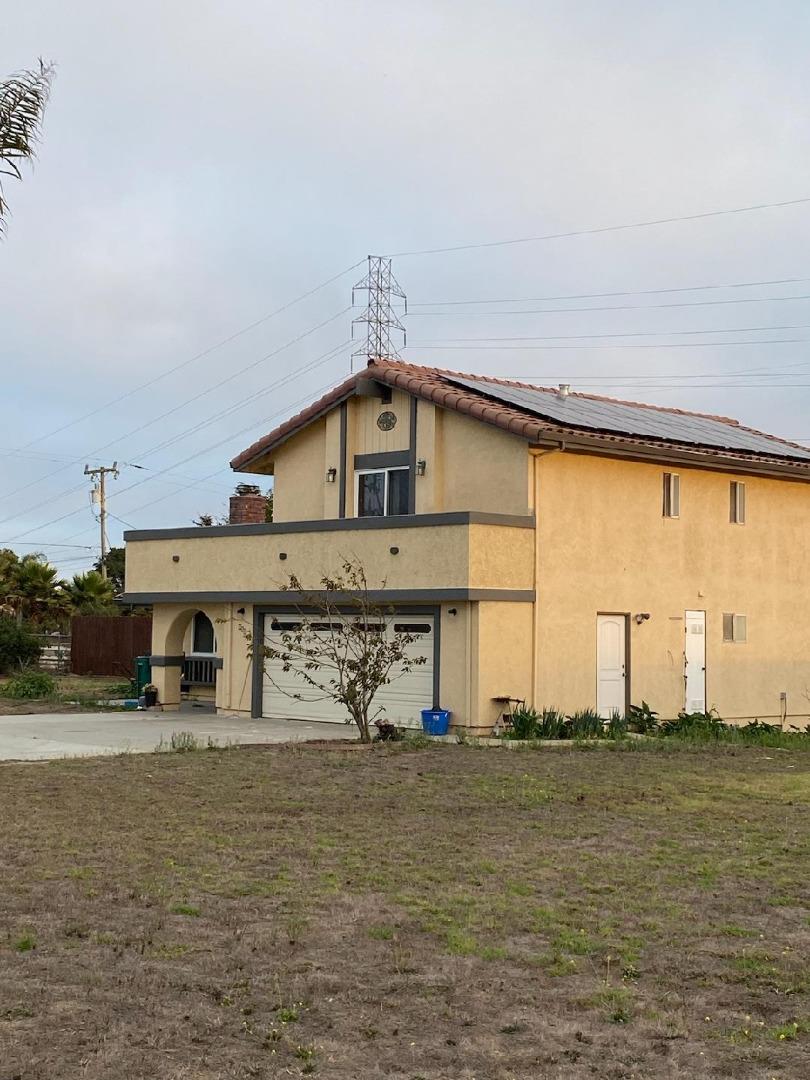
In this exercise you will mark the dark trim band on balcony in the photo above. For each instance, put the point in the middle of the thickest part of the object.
(166, 661)
(281, 528)
(379, 596)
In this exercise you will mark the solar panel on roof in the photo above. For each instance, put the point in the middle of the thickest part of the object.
(613, 416)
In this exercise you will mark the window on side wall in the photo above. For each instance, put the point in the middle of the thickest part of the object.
(383, 492)
(735, 628)
(737, 503)
(672, 495)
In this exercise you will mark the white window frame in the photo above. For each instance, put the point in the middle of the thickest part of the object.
(737, 502)
(365, 472)
(671, 498)
(739, 628)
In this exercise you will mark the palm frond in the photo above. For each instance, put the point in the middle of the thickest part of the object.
(23, 97)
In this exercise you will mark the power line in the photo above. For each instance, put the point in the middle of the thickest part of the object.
(43, 544)
(621, 333)
(617, 307)
(197, 356)
(600, 295)
(603, 229)
(199, 453)
(181, 405)
(632, 345)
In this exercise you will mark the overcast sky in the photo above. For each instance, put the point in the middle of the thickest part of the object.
(204, 163)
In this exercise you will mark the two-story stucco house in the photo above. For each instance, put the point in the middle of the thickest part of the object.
(560, 548)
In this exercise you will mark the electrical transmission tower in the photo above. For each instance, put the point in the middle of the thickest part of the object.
(380, 317)
(99, 496)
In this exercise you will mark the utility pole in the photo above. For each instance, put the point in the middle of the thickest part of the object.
(379, 317)
(99, 495)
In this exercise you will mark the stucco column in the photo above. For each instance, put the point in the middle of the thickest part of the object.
(167, 680)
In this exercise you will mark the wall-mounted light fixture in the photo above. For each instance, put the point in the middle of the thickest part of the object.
(452, 611)
(331, 475)
(421, 465)
(175, 558)
(240, 611)
(641, 617)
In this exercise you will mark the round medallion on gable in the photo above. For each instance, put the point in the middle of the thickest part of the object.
(387, 420)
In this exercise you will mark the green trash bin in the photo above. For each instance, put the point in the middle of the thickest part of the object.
(143, 673)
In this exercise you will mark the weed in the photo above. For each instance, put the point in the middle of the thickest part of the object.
(185, 909)
(576, 943)
(26, 942)
(288, 1014)
(381, 933)
(29, 684)
(789, 1031)
(732, 930)
(460, 943)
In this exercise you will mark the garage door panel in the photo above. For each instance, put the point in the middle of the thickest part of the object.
(286, 695)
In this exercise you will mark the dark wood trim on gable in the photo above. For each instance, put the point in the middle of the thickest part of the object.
(412, 458)
(344, 423)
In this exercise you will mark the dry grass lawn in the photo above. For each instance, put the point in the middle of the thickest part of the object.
(446, 913)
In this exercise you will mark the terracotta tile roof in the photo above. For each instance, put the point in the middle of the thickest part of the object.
(438, 385)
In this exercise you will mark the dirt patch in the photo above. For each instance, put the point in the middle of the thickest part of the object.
(445, 914)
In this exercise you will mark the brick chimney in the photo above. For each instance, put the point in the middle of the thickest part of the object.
(247, 506)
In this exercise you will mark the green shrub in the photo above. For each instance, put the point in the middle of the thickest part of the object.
(551, 724)
(642, 719)
(30, 684)
(617, 726)
(18, 646)
(695, 725)
(524, 723)
(585, 724)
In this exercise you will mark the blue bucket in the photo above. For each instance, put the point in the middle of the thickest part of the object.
(435, 721)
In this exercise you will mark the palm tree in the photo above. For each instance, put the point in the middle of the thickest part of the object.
(89, 593)
(23, 98)
(34, 589)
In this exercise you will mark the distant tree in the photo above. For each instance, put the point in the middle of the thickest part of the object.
(340, 646)
(206, 521)
(89, 593)
(34, 590)
(18, 646)
(114, 562)
(23, 98)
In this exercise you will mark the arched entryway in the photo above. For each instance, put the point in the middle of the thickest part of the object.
(186, 662)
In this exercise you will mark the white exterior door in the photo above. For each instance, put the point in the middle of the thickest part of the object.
(694, 661)
(611, 657)
(403, 699)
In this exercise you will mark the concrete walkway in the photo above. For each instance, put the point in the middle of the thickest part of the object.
(42, 736)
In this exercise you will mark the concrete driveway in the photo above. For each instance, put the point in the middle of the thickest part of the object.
(41, 736)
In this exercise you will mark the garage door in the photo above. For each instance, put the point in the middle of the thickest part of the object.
(402, 699)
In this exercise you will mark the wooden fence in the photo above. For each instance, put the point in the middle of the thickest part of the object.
(108, 644)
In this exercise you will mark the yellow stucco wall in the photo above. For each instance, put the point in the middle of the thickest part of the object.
(468, 465)
(604, 546)
(300, 471)
(503, 659)
(429, 557)
(483, 468)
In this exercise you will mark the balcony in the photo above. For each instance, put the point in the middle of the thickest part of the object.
(413, 558)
